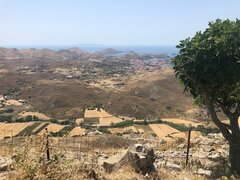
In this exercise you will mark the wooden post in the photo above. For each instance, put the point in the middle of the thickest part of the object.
(47, 146)
(188, 146)
(11, 141)
(5, 150)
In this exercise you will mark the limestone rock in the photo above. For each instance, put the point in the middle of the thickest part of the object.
(207, 148)
(116, 161)
(142, 160)
(214, 156)
(203, 172)
(5, 163)
(173, 166)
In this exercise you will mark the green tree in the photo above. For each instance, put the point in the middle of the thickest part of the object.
(208, 65)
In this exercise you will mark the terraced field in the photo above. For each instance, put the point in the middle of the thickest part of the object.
(77, 131)
(181, 121)
(146, 129)
(123, 130)
(52, 128)
(12, 129)
(100, 118)
(163, 130)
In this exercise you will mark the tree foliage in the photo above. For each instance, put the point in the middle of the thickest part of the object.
(209, 63)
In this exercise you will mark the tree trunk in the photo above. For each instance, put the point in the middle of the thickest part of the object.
(234, 155)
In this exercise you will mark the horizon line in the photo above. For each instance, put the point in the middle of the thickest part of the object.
(75, 45)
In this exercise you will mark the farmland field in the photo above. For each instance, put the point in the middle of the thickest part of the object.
(12, 129)
(52, 128)
(77, 131)
(146, 129)
(123, 130)
(37, 114)
(162, 130)
(181, 121)
(100, 118)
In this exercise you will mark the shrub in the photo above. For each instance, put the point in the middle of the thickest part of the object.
(53, 121)
(104, 130)
(9, 110)
(4, 118)
(123, 124)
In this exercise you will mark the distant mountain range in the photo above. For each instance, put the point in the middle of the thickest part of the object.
(74, 53)
(91, 48)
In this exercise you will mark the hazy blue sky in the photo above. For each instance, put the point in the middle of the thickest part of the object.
(109, 22)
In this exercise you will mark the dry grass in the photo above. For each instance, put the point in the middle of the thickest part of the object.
(31, 163)
(79, 120)
(123, 130)
(105, 119)
(181, 121)
(37, 114)
(184, 135)
(12, 129)
(62, 165)
(163, 130)
(77, 131)
(52, 128)
(13, 102)
(38, 127)
(91, 113)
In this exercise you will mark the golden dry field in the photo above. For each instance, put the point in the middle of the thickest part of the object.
(77, 131)
(13, 102)
(52, 128)
(37, 114)
(12, 129)
(162, 130)
(181, 121)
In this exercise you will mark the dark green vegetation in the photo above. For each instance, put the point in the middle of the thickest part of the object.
(90, 121)
(208, 65)
(104, 130)
(41, 128)
(180, 127)
(28, 119)
(63, 131)
(5, 118)
(10, 119)
(29, 130)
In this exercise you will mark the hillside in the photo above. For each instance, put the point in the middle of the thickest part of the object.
(62, 83)
(158, 97)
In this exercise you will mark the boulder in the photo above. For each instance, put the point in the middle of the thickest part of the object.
(181, 146)
(159, 163)
(5, 163)
(173, 166)
(138, 147)
(214, 156)
(101, 159)
(114, 162)
(207, 148)
(142, 160)
(203, 172)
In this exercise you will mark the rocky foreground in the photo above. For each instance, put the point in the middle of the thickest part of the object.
(208, 159)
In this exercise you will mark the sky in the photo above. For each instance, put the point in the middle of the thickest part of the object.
(108, 22)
